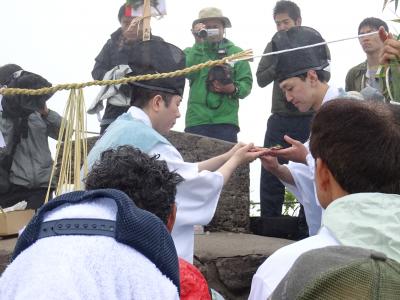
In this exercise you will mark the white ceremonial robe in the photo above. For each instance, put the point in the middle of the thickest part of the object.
(196, 198)
(303, 175)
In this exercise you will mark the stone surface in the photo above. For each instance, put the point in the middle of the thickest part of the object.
(229, 260)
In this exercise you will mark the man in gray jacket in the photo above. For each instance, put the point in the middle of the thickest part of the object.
(26, 123)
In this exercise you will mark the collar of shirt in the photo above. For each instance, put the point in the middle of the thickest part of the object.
(331, 93)
(139, 114)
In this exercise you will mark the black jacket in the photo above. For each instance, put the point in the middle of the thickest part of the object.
(113, 55)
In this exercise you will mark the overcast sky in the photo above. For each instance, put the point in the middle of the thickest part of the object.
(60, 39)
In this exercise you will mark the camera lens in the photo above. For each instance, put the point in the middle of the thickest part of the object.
(202, 33)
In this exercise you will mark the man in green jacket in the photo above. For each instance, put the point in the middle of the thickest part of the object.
(215, 92)
(363, 75)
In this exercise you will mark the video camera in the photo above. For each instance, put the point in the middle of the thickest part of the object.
(204, 33)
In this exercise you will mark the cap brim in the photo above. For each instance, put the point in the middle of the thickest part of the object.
(226, 21)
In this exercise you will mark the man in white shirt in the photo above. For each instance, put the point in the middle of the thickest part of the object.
(358, 187)
(304, 81)
(155, 108)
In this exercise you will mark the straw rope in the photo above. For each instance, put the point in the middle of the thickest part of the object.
(244, 55)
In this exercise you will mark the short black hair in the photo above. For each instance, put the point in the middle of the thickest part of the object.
(322, 75)
(359, 141)
(6, 72)
(287, 7)
(141, 96)
(146, 180)
(374, 23)
(121, 12)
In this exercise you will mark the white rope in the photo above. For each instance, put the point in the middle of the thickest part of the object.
(315, 45)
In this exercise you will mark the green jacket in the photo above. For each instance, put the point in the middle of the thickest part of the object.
(354, 77)
(205, 107)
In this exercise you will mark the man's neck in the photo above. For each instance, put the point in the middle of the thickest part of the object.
(373, 61)
(322, 89)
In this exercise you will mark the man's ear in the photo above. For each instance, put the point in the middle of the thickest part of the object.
(323, 182)
(156, 102)
(298, 21)
(312, 76)
(171, 218)
(321, 174)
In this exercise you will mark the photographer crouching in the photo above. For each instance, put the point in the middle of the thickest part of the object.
(213, 104)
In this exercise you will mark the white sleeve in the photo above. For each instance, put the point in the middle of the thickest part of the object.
(197, 196)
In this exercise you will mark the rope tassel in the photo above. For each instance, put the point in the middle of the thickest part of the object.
(71, 146)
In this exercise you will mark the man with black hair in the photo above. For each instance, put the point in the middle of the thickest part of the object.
(117, 51)
(214, 94)
(146, 180)
(364, 74)
(302, 77)
(25, 123)
(155, 108)
(358, 187)
(285, 118)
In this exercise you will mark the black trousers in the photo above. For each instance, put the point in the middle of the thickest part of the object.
(272, 191)
(35, 197)
(226, 132)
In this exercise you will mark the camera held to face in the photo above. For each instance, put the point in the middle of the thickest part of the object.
(207, 33)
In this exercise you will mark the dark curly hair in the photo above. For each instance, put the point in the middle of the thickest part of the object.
(146, 180)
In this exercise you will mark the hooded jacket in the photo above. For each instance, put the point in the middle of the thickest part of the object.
(365, 220)
(206, 107)
(32, 162)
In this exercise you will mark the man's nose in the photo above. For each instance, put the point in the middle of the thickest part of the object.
(289, 96)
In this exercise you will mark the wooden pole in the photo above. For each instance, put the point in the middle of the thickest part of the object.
(146, 20)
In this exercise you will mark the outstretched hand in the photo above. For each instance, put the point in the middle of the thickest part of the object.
(297, 152)
(248, 153)
(234, 149)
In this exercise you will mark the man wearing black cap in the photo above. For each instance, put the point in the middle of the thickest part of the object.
(155, 108)
(302, 78)
(117, 51)
(358, 188)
